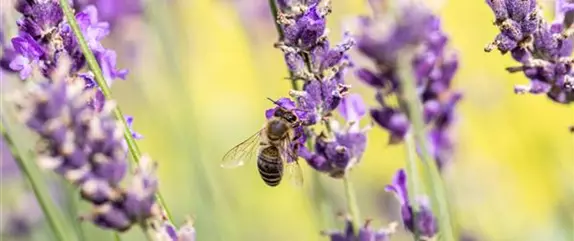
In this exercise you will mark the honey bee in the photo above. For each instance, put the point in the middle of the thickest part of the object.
(275, 149)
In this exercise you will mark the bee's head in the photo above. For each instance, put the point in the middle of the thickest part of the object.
(286, 115)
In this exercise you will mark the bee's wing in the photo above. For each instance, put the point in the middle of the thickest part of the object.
(292, 167)
(242, 152)
(294, 173)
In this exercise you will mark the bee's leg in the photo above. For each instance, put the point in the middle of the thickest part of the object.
(297, 136)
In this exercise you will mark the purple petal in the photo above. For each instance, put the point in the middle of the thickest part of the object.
(352, 107)
(399, 187)
(22, 65)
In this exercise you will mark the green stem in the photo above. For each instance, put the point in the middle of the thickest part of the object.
(56, 220)
(413, 182)
(95, 68)
(352, 206)
(414, 107)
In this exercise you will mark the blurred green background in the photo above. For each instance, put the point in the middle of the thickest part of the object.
(199, 75)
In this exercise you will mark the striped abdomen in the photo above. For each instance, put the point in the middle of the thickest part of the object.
(270, 166)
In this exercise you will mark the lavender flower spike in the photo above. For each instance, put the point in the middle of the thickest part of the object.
(383, 40)
(311, 58)
(365, 233)
(111, 10)
(137, 202)
(543, 50)
(86, 148)
(426, 223)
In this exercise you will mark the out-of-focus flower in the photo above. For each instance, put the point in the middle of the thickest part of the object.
(542, 49)
(112, 11)
(468, 236)
(8, 167)
(365, 233)
(337, 154)
(383, 40)
(135, 135)
(86, 147)
(18, 221)
(255, 16)
(8, 53)
(423, 222)
(165, 231)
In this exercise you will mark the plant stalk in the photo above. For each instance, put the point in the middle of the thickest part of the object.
(95, 68)
(413, 182)
(352, 206)
(58, 224)
(414, 108)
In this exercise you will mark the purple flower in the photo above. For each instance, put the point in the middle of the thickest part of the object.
(86, 147)
(543, 50)
(166, 231)
(135, 135)
(365, 233)
(45, 39)
(311, 58)
(383, 40)
(19, 221)
(8, 167)
(112, 11)
(321, 66)
(422, 222)
(30, 53)
(107, 60)
(93, 30)
(338, 153)
(136, 203)
(8, 54)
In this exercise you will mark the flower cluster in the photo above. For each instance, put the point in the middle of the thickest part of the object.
(112, 11)
(542, 49)
(311, 58)
(337, 153)
(365, 233)
(44, 37)
(384, 40)
(423, 222)
(86, 147)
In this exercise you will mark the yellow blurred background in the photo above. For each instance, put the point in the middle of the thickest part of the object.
(198, 85)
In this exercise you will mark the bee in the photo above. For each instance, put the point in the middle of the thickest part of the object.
(276, 153)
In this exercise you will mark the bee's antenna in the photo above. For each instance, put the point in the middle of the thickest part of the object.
(274, 102)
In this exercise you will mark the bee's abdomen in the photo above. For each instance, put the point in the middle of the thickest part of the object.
(270, 168)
